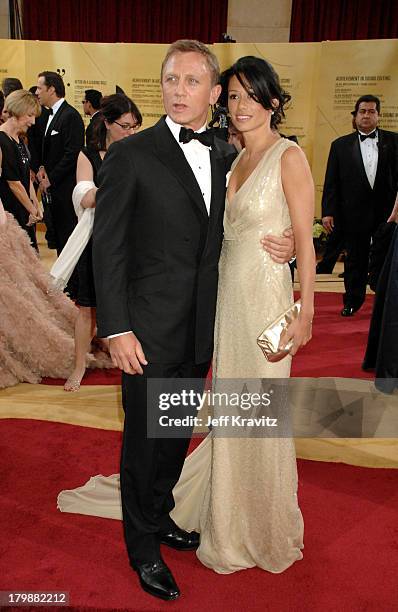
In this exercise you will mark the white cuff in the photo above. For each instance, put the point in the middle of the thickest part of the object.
(121, 334)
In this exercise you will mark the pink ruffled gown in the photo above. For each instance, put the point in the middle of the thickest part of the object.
(36, 321)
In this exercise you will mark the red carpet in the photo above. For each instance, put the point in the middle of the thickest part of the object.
(338, 344)
(351, 537)
(337, 348)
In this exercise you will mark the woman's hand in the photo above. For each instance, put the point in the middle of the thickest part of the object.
(35, 214)
(299, 331)
(33, 219)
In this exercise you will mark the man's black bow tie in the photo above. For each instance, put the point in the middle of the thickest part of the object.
(206, 138)
(365, 136)
(50, 111)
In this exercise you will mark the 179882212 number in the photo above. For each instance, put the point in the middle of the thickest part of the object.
(38, 598)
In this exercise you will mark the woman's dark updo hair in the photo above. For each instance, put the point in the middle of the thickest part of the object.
(111, 109)
(258, 77)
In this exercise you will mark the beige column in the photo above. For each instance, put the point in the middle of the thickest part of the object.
(4, 26)
(259, 20)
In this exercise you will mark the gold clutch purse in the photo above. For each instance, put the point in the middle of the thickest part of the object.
(270, 338)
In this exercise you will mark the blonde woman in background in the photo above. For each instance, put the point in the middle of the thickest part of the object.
(16, 188)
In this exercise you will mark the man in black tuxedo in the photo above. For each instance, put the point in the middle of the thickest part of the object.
(156, 243)
(63, 140)
(35, 145)
(91, 107)
(360, 189)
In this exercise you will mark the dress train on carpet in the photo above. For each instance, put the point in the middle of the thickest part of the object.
(100, 496)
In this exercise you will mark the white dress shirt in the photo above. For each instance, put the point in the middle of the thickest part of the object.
(55, 109)
(198, 157)
(370, 156)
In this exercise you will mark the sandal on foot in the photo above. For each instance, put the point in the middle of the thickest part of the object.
(72, 384)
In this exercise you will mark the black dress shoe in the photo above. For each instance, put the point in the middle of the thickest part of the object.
(348, 311)
(180, 539)
(157, 580)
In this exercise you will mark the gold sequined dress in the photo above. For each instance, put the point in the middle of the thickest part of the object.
(240, 493)
(250, 515)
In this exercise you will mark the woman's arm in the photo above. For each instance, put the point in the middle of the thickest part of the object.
(298, 187)
(84, 172)
(39, 214)
(33, 196)
(20, 193)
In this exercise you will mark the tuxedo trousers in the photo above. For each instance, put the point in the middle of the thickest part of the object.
(150, 467)
(356, 267)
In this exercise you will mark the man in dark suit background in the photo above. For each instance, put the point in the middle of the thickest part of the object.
(359, 192)
(91, 107)
(156, 243)
(35, 144)
(36, 135)
(62, 141)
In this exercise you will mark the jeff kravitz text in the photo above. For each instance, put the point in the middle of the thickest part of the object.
(225, 420)
(225, 402)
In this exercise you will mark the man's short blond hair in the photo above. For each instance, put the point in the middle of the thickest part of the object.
(22, 102)
(194, 46)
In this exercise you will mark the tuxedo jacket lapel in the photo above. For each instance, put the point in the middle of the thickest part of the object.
(171, 155)
(217, 182)
(56, 120)
(218, 174)
(383, 155)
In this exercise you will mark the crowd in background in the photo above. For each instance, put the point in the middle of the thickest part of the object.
(46, 150)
